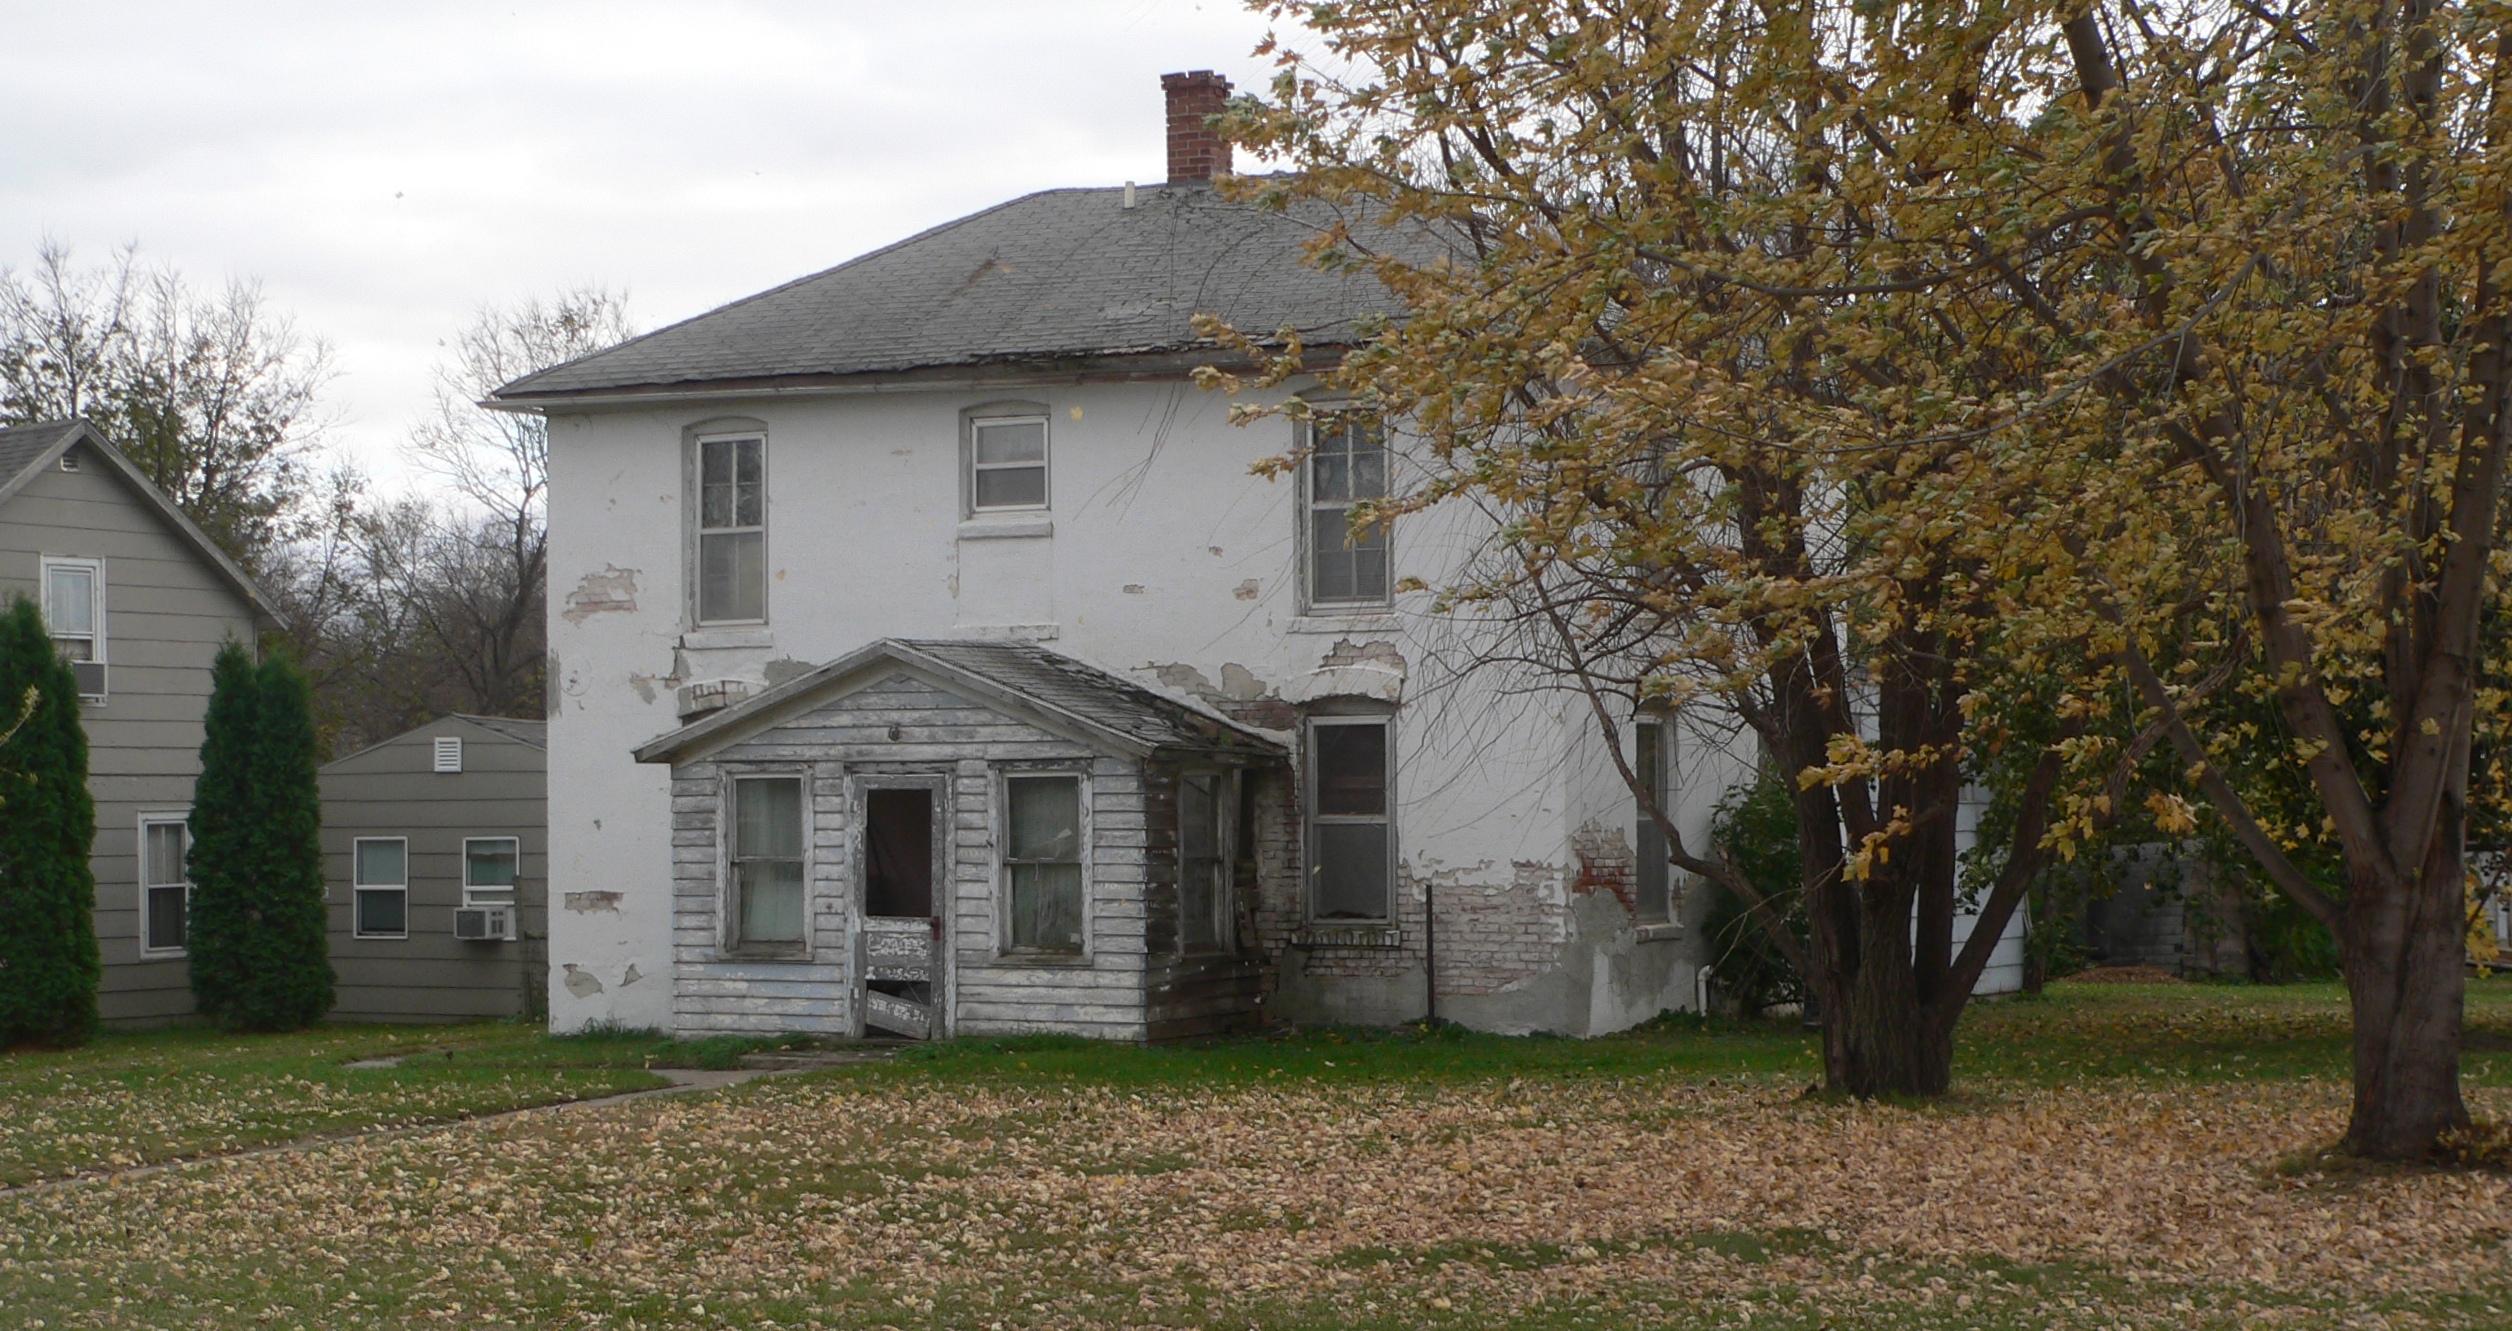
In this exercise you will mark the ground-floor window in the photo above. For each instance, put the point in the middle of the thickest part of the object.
(767, 861)
(1350, 844)
(1652, 760)
(380, 884)
(489, 864)
(1042, 861)
(165, 884)
(1204, 906)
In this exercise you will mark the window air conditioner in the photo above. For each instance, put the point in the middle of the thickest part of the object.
(485, 924)
(91, 678)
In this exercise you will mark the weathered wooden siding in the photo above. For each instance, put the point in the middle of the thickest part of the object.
(842, 745)
(166, 613)
(392, 790)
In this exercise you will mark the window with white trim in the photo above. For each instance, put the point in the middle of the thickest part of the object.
(165, 883)
(1042, 861)
(1204, 907)
(1346, 467)
(732, 554)
(489, 865)
(74, 614)
(1351, 842)
(1652, 760)
(1007, 463)
(767, 864)
(380, 887)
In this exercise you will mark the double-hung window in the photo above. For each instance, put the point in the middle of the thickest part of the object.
(1652, 760)
(1007, 463)
(1347, 467)
(732, 530)
(74, 613)
(165, 883)
(1350, 847)
(1204, 907)
(767, 863)
(488, 870)
(380, 887)
(1042, 862)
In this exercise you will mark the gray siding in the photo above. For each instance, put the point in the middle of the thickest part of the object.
(391, 790)
(166, 613)
(840, 745)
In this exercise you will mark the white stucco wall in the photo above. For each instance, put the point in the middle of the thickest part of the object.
(1168, 559)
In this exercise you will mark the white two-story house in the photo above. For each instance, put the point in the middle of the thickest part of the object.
(929, 657)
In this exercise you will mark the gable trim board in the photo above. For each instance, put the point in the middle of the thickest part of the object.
(76, 432)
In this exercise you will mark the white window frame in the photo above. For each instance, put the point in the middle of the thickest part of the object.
(95, 636)
(1003, 864)
(1648, 849)
(511, 890)
(1225, 813)
(1022, 413)
(1310, 506)
(148, 945)
(1317, 821)
(699, 531)
(357, 917)
(728, 898)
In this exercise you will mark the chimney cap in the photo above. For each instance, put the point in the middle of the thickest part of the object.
(1196, 152)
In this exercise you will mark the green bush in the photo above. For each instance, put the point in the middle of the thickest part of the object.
(1756, 827)
(259, 933)
(48, 958)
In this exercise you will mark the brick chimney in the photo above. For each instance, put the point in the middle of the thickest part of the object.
(1196, 153)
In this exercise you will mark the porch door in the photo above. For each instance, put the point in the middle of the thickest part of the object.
(899, 949)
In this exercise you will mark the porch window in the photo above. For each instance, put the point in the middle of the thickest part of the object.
(1347, 466)
(732, 530)
(1042, 862)
(165, 885)
(1204, 908)
(488, 870)
(380, 887)
(1007, 463)
(1349, 843)
(1652, 761)
(767, 862)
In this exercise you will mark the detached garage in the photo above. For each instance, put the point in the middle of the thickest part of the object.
(435, 852)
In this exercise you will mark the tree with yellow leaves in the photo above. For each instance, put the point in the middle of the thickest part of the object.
(1936, 387)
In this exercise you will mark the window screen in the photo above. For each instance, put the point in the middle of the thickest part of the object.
(1349, 851)
(1042, 858)
(767, 861)
(732, 530)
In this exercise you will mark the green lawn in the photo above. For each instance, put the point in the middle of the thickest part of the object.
(141, 1097)
(2117, 1156)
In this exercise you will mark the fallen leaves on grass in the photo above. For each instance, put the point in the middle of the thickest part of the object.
(791, 1202)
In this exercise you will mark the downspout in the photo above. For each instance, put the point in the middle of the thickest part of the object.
(1430, 951)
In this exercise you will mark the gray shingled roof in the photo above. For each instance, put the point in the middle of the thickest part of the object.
(1120, 713)
(21, 446)
(533, 733)
(1060, 275)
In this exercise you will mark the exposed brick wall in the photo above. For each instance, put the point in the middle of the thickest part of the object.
(1606, 864)
(1195, 151)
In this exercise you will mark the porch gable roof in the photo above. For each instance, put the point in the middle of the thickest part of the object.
(1050, 689)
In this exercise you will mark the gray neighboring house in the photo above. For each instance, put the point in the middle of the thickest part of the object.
(140, 599)
(436, 867)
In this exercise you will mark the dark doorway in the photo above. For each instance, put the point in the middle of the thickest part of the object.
(898, 853)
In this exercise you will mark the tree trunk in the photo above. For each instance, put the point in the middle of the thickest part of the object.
(2404, 955)
(1879, 1036)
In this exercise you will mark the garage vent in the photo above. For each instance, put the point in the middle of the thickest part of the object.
(449, 753)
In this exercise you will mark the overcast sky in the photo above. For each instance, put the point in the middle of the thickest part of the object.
(386, 169)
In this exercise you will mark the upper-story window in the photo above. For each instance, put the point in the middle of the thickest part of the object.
(732, 529)
(74, 613)
(1007, 462)
(1347, 466)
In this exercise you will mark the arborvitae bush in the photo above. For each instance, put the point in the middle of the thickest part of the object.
(259, 941)
(48, 959)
